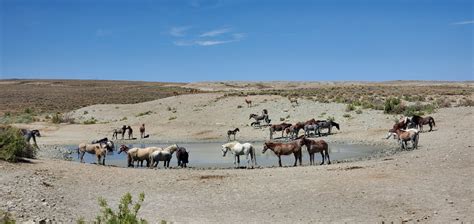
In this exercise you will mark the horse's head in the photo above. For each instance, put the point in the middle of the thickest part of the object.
(36, 132)
(224, 149)
(335, 125)
(265, 147)
(123, 148)
(252, 115)
(110, 146)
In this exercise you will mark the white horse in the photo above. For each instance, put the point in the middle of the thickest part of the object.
(99, 149)
(163, 155)
(413, 132)
(238, 150)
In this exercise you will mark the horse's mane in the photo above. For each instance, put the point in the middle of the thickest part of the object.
(230, 144)
(171, 146)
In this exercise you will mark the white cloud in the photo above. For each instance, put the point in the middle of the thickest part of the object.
(179, 31)
(212, 42)
(214, 33)
(463, 22)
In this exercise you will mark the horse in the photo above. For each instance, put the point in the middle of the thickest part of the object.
(30, 134)
(278, 127)
(138, 154)
(119, 131)
(314, 146)
(109, 144)
(258, 118)
(130, 132)
(405, 136)
(294, 130)
(238, 150)
(232, 132)
(293, 100)
(163, 155)
(248, 102)
(420, 121)
(182, 156)
(99, 149)
(287, 148)
(312, 121)
(312, 127)
(142, 131)
(328, 125)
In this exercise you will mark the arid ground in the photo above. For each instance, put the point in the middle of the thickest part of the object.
(432, 184)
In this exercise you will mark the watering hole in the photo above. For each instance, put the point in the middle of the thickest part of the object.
(209, 155)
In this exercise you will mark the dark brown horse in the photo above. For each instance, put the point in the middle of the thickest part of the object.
(288, 148)
(142, 131)
(420, 121)
(278, 127)
(248, 102)
(314, 146)
(232, 132)
(294, 130)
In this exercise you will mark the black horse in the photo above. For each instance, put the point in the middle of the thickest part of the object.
(30, 134)
(420, 121)
(328, 125)
(105, 141)
(232, 132)
(182, 156)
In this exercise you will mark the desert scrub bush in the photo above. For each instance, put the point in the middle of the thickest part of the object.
(125, 213)
(172, 118)
(466, 103)
(144, 113)
(350, 107)
(331, 118)
(19, 118)
(346, 115)
(393, 106)
(358, 111)
(57, 118)
(6, 218)
(13, 146)
(123, 119)
(239, 106)
(91, 120)
(443, 103)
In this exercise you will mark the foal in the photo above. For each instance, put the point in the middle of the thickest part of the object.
(142, 131)
(405, 136)
(232, 132)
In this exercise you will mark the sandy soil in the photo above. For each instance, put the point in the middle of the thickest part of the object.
(431, 184)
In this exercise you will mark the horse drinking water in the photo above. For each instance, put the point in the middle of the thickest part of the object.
(239, 150)
(280, 149)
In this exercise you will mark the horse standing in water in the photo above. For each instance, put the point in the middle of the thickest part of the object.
(182, 156)
(119, 131)
(130, 132)
(239, 150)
(314, 146)
(142, 131)
(278, 127)
(280, 149)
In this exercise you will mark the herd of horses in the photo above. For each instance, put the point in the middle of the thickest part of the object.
(407, 129)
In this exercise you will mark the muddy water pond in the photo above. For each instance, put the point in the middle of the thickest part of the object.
(209, 155)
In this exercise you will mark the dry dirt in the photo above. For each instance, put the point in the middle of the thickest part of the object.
(432, 184)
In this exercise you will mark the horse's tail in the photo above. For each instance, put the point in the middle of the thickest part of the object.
(78, 153)
(432, 120)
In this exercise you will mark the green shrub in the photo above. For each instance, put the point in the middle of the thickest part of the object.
(144, 113)
(346, 115)
(172, 118)
(6, 218)
(393, 106)
(350, 107)
(13, 146)
(358, 111)
(86, 112)
(124, 215)
(28, 111)
(92, 120)
(57, 118)
(331, 118)
(466, 103)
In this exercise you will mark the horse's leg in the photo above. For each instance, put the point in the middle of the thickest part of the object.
(82, 156)
(300, 155)
(296, 158)
(322, 155)
(279, 160)
(238, 161)
(327, 155)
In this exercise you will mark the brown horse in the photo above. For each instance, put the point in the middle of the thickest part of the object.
(142, 131)
(314, 146)
(99, 149)
(294, 130)
(405, 136)
(248, 102)
(280, 149)
(138, 154)
(278, 127)
(420, 121)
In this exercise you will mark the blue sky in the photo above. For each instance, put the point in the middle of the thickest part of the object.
(210, 40)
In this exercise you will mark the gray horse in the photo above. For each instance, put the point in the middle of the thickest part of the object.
(311, 127)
